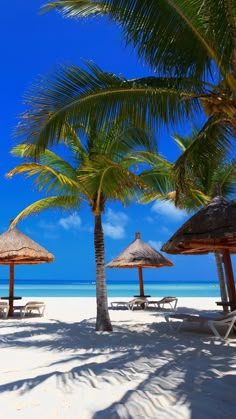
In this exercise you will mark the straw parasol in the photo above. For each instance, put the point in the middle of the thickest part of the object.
(211, 229)
(139, 255)
(17, 249)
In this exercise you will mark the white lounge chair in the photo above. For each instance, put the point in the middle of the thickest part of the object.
(138, 302)
(4, 308)
(171, 301)
(30, 307)
(228, 320)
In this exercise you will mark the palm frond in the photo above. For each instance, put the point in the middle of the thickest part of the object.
(75, 8)
(46, 157)
(47, 177)
(173, 37)
(102, 179)
(223, 180)
(70, 136)
(122, 139)
(66, 202)
(211, 144)
(73, 96)
(157, 174)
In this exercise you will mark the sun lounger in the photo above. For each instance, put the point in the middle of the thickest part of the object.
(228, 320)
(138, 302)
(160, 304)
(30, 307)
(4, 308)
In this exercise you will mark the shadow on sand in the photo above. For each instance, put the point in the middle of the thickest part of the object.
(159, 373)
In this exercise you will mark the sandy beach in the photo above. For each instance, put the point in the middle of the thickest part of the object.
(59, 367)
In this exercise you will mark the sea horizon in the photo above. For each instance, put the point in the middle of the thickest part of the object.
(115, 288)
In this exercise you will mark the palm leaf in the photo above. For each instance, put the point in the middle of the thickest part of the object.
(211, 143)
(66, 202)
(46, 157)
(173, 37)
(73, 95)
(223, 180)
(51, 173)
(102, 179)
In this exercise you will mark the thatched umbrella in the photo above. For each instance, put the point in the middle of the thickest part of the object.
(18, 249)
(139, 255)
(211, 229)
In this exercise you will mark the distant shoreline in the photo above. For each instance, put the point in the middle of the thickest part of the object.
(64, 288)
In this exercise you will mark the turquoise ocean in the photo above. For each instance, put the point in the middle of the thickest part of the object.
(76, 288)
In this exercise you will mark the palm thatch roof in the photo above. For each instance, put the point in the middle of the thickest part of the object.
(139, 255)
(17, 248)
(212, 228)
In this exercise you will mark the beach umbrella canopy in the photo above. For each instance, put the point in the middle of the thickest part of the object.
(17, 249)
(139, 255)
(211, 229)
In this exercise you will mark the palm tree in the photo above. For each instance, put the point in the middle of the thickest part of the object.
(100, 169)
(191, 44)
(214, 178)
(203, 182)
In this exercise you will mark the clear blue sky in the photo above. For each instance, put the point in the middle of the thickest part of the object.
(32, 45)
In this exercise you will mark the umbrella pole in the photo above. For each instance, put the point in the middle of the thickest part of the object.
(140, 277)
(221, 279)
(230, 278)
(11, 290)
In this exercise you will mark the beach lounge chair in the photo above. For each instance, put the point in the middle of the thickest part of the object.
(4, 308)
(160, 304)
(138, 302)
(228, 321)
(30, 307)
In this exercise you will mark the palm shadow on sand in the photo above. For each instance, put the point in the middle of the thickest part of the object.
(164, 371)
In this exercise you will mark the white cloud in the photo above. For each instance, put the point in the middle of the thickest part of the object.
(114, 218)
(114, 232)
(71, 222)
(155, 244)
(48, 230)
(168, 210)
(47, 226)
(114, 225)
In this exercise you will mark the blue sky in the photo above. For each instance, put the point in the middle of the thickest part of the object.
(32, 45)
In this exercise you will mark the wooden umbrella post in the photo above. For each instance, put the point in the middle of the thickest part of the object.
(230, 278)
(11, 289)
(140, 277)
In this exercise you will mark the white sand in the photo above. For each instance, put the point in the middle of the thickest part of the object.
(59, 367)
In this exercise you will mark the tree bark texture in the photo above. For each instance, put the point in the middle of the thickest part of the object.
(103, 323)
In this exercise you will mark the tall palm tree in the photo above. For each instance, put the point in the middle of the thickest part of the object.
(191, 44)
(203, 182)
(212, 178)
(99, 168)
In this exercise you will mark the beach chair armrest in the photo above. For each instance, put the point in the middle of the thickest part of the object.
(224, 322)
(4, 308)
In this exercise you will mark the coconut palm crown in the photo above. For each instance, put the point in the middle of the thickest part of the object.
(189, 44)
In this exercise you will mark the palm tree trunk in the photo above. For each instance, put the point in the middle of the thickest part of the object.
(221, 278)
(103, 323)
